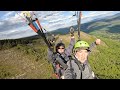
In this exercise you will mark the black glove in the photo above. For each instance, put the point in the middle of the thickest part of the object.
(51, 40)
(71, 31)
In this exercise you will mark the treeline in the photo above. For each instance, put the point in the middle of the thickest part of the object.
(9, 43)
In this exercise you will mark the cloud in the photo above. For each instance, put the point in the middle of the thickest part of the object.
(97, 14)
(8, 26)
(8, 14)
(20, 34)
(13, 24)
(17, 34)
(58, 20)
(1, 23)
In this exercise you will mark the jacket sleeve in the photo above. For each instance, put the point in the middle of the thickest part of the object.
(50, 56)
(92, 45)
(70, 47)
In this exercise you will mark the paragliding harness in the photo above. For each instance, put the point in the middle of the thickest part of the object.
(61, 62)
(81, 68)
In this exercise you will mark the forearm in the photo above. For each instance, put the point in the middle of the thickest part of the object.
(92, 46)
(70, 47)
(72, 41)
(50, 55)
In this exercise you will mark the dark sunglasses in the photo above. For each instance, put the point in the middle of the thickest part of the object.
(60, 48)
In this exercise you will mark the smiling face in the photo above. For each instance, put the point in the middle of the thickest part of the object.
(61, 49)
(81, 55)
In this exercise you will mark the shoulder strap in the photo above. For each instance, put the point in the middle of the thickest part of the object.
(62, 58)
(71, 69)
(80, 67)
(61, 62)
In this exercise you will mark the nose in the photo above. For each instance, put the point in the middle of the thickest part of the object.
(83, 54)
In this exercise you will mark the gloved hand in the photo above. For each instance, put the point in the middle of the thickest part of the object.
(51, 40)
(71, 31)
(52, 43)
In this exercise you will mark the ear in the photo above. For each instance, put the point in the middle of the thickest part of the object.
(76, 53)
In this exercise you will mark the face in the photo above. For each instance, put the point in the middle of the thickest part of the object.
(61, 49)
(81, 55)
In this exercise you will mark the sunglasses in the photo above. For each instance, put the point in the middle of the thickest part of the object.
(60, 48)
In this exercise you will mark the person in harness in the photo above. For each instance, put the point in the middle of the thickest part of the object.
(78, 66)
(60, 57)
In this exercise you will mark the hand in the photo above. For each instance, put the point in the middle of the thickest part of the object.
(97, 41)
(71, 31)
(51, 40)
(58, 66)
(52, 43)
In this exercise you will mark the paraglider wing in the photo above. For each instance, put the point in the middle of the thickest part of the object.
(36, 26)
(26, 13)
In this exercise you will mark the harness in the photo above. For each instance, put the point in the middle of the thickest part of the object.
(59, 59)
(80, 66)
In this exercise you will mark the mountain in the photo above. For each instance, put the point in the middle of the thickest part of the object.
(107, 27)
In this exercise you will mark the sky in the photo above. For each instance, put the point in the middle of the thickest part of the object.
(13, 24)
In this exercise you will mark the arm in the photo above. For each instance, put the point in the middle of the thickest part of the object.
(68, 50)
(70, 47)
(97, 42)
(50, 56)
(92, 45)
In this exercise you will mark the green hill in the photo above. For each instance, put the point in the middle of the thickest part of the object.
(108, 27)
(29, 60)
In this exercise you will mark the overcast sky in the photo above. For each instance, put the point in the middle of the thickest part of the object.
(13, 25)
